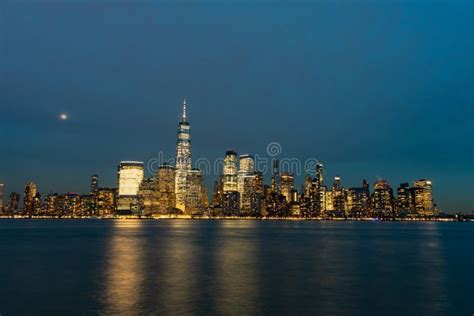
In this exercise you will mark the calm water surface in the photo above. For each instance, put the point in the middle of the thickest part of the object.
(130, 267)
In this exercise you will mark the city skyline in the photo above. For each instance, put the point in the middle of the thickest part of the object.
(335, 81)
(239, 191)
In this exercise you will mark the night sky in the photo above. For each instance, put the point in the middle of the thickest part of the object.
(373, 89)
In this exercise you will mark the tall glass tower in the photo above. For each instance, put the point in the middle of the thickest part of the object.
(183, 159)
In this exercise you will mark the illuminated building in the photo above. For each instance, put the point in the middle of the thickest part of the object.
(307, 186)
(404, 198)
(70, 204)
(357, 202)
(148, 196)
(1, 197)
(338, 195)
(287, 184)
(245, 180)
(106, 201)
(382, 197)
(51, 203)
(89, 204)
(423, 197)
(183, 159)
(196, 195)
(166, 188)
(247, 167)
(130, 176)
(218, 192)
(230, 171)
(329, 206)
(275, 185)
(94, 184)
(28, 199)
(231, 203)
(13, 202)
(247, 193)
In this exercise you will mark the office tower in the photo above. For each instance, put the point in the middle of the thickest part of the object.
(244, 181)
(319, 174)
(13, 202)
(183, 159)
(106, 201)
(275, 186)
(130, 176)
(231, 203)
(89, 204)
(356, 201)
(247, 192)
(307, 186)
(382, 198)
(218, 192)
(423, 197)
(196, 194)
(94, 184)
(338, 195)
(166, 181)
(29, 198)
(70, 204)
(230, 171)
(329, 206)
(51, 203)
(148, 196)
(287, 184)
(247, 167)
(404, 198)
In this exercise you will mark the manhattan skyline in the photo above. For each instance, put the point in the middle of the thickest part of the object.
(315, 83)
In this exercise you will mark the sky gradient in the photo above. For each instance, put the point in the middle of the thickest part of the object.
(373, 89)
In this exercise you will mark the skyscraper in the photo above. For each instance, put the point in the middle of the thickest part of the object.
(287, 185)
(129, 177)
(166, 188)
(13, 202)
(183, 159)
(230, 171)
(196, 195)
(383, 197)
(28, 199)
(404, 198)
(423, 197)
(94, 184)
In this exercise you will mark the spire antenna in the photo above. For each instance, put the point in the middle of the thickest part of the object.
(184, 110)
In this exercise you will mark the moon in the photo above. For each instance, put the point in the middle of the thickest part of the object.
(63, 116)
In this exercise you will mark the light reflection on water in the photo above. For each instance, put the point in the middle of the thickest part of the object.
(235, 268)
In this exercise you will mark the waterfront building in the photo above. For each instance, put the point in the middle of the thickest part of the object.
(231, 203)
(183, 159)
(70, 204)
(129, 177)
(51, 203)
(94, 184)
(166, 186)
(106, 201)
(230, 171)
(287, 185)
(338, 195)
(382, 198)
(147, 197)
(28, 199)
(13, 202)
(423, 198)
(196, 193)
(404, 202)
(218, 193)
(89, 204)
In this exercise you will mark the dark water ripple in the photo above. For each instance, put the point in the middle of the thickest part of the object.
(181, 267)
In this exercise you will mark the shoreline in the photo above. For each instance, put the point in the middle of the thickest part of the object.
(208, 218)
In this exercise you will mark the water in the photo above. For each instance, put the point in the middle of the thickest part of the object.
(129, 267)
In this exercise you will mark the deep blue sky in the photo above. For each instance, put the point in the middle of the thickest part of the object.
(371, 88)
